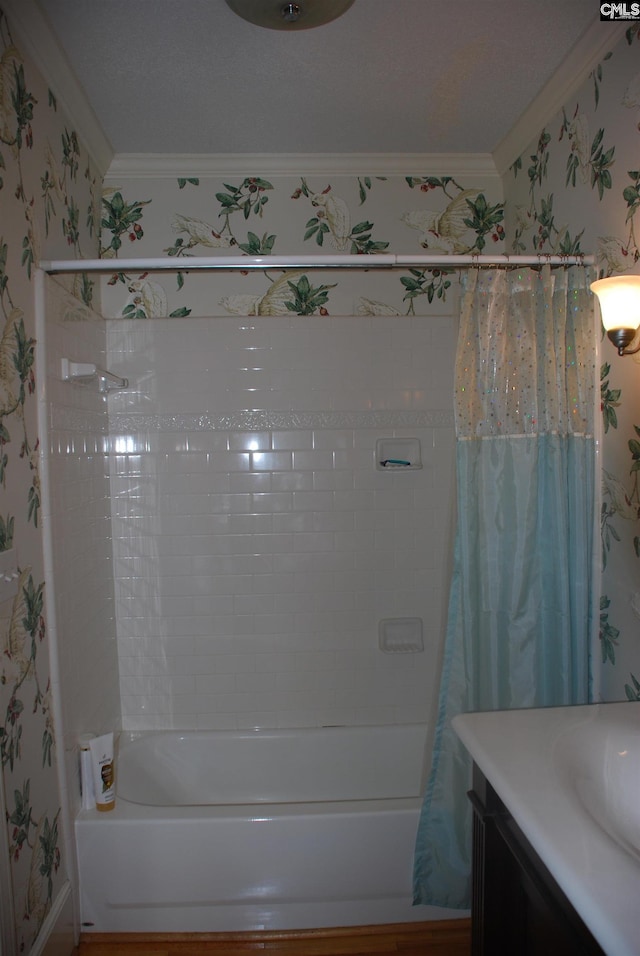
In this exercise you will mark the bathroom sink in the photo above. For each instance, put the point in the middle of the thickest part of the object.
(599, 759)
(570, 778)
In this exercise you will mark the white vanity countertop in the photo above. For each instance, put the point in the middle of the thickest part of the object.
(548, 765)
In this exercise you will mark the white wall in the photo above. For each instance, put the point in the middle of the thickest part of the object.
(80, 594)
(256, 551)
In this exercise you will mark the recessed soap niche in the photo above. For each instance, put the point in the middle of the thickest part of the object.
(398, 454)
(400, 635)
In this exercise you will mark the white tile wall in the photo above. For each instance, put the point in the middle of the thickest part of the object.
(256, 546)
(78, 515)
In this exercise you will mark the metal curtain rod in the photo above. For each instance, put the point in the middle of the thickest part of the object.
(244, 263)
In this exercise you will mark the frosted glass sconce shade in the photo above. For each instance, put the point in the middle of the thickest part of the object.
(619, 298)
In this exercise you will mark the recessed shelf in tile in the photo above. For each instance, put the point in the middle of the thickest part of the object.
(398, 454)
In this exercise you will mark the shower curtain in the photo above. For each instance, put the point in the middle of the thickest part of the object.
(522, 593)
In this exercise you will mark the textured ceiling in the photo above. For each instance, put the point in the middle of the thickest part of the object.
(399, 76)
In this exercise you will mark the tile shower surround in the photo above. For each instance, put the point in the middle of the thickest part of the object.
(255, 545)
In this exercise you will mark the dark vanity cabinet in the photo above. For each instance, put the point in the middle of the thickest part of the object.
(518, 909)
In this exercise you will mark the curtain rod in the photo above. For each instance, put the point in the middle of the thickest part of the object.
(245, 263)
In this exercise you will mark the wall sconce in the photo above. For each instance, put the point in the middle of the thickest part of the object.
(619, 298)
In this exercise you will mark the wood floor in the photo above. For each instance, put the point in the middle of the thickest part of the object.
(441, 938)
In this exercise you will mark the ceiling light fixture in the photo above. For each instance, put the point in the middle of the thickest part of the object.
(276, 15)
(619, 298)
(291, 12)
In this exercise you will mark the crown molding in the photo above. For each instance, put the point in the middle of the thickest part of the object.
(31, 29)
(198, 165)
(597, 40)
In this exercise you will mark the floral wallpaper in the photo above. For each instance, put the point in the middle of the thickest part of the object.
(577, 189)
(355, 215)
(48, 197)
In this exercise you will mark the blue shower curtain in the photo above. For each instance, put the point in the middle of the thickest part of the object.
(522, 593)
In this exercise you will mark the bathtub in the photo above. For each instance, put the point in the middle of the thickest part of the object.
(225, 832)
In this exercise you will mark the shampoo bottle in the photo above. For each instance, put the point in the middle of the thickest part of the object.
(104, 779)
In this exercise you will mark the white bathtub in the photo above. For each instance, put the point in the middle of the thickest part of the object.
(223, 832)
